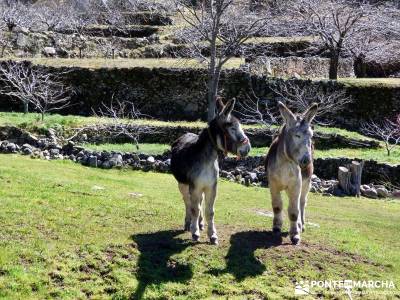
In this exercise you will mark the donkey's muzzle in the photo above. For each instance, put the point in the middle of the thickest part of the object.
(244, 149)
(305, 161)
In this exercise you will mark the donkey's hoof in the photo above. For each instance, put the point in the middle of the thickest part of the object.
(186, 227)
(295, 239)
(214, 240)
(195, 237)
(276, 232)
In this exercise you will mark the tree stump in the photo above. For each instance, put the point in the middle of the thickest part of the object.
(350, 178)
(344, 177)
(356, 168)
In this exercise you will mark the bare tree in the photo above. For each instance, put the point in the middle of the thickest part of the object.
(299, 98)
(224, 26)
(388, 131)
(45, 91)
(373, 40)
(4, 40)
(13, 14)
(53, 15)
(255, 110)
(334, 23)
(120, 119)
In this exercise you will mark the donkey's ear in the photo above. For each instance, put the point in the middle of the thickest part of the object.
(220, 104)
(227, 110)
(286, 113)
(309, 115)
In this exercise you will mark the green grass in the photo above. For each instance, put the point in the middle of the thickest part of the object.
(97, 63)
(31, 122)
(152, 149)
(71, 232)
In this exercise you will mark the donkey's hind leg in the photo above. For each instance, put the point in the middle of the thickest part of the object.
(184, 189)
(305, 188)
(196, 197)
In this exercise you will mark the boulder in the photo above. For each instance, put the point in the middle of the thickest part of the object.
(369, 192)
(49, 52)
(93, 161)
(382, 192)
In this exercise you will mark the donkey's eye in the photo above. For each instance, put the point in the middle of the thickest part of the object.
(228, 124)
(298, 136)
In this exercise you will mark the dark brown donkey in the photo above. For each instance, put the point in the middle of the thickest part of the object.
(194, 163)
(289, 166)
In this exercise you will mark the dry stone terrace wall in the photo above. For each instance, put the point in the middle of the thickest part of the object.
(258, 137)
(179, 94)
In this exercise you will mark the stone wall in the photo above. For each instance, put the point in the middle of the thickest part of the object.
(258, 137)
(179, 94)
(305, 67)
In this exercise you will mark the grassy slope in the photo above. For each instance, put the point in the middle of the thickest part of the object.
(32, 122)
(64, 236)
(96, 63)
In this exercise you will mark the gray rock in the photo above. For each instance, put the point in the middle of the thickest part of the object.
(106, 165)
(224, 174)
(11, 148)
(93, 161)
(116, 161)
(151, 160)
(49, 51)
(382, 192)
(54, 152)
(369, 193)
(253, 176)
(27, 150)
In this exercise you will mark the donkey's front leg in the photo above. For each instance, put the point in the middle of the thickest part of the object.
(306, 184)
(294, 211)
(196, 197)
(201, 216)
(277, 209)
(210, 195)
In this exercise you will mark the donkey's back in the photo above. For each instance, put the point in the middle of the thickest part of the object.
(184, 155)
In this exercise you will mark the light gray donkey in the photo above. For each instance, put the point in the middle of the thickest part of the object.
(194, 163)
(289, 166)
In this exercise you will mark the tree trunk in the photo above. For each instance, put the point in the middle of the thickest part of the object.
(26, 107)
(334, 64)
(42, 116)
(360, 67)
(213, 79)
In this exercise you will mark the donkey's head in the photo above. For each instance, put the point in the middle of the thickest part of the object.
(298, 133)
(230, 136)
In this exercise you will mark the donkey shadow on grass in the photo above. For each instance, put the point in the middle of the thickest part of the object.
(155, 265)
(241, 260)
